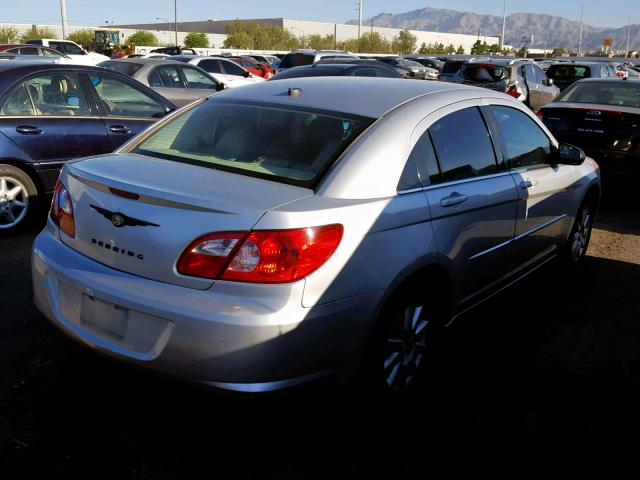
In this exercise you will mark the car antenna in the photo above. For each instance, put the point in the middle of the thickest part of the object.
(295, 92)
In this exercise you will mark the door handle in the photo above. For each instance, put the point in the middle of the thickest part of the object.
(454, 199)
(28, 130)
(525, 184)
(121, 129)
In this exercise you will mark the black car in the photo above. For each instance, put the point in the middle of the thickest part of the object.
(51, 113)
(331, 68)
(565, 74)
(601, 116)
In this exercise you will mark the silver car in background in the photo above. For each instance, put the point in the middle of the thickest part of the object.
(308, 228)
(175, 81)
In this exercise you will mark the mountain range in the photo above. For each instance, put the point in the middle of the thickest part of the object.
(547, 30)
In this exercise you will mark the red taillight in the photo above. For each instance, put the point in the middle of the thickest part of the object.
(513, 91)
(540, 115)
(62, 210)
(262, 256)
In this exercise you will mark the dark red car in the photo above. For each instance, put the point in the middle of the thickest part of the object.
(257, 68)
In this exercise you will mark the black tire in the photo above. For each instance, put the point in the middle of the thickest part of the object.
(578, 242)
(19, 199)
(406, 341)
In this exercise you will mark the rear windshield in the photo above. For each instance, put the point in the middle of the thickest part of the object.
(485, 73)
(605, 93)
(123, 67)
(561, 72)
(451, 67)
(296, 60)
(275, 142)
(309, 72)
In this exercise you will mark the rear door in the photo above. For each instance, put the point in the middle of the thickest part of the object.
(546, 193)
(533, 95)
(125, 108)
(52, 117)
(168, 81)
(472, 200)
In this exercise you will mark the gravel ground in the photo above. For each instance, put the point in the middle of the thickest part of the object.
(546, 370)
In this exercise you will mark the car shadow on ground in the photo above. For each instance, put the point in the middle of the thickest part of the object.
(549, 367)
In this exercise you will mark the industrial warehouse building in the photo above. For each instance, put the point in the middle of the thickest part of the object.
(303, 28)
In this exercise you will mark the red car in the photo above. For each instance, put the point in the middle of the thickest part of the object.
(256, 68)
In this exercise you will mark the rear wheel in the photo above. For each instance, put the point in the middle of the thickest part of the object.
(576, 248)
(404, 345)
(18, 196)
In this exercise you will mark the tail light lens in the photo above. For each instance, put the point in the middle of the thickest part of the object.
(62, 210)
(540, 115)
(261, 256)
(513, 91)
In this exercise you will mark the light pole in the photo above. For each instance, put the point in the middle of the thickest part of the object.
(626, 52)
(581, 24)
(175, 18)
(504, 24)
(63, 17)
(359, 18)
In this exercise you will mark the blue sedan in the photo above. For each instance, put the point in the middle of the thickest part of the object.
(51, 113)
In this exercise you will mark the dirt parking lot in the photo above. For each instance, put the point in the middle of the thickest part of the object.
(549, 369)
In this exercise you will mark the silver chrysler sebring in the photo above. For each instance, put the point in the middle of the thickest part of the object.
(308, 228)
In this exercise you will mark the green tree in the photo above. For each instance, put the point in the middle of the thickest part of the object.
(460, 50)
(84, 37)
(196, 40)
(142, 37)
(405, 42)
(36, 33)
(558, 52)
(319, 42)
(8, 34)
(252, 35)
(372, 42)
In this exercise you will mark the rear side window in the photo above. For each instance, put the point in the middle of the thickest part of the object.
(296, 60)
(485, 73)
(451, 67)
(166, 76)
(211, 66)
(231, 68)
(275, 142)
(122, 100)
(526, 144)
(29, 51)
(68, 48)
(422, 165)
(463, 145)
(561, 72)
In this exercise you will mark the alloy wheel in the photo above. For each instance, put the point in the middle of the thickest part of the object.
(405, 347)
(14, 202)
(581, 235)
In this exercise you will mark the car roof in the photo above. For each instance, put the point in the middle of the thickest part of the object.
(635, 81)
(578, 64)
(340, 94)
(143, 61)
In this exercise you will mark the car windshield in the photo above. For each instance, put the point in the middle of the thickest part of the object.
(562, 72)
(280, 143)
(127, 68)
(296, 60)
(485, 73)
(410, 64)
(451, 67)
(624, 94)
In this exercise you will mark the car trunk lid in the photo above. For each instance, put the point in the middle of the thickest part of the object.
(137, 214)
(594, 126)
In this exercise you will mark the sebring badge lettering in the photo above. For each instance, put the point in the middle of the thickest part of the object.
(115, 249)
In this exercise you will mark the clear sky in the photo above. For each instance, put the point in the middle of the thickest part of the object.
(610, 13)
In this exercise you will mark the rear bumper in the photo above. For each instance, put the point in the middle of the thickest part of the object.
(218, 337)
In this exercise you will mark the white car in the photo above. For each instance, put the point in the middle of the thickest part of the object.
(72, 50)
(224, 70)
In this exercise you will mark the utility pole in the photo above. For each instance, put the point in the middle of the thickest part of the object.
(504, 24)
(359, 18)
(63, 15)
(581, 25)
(175, 18)
(626, 53)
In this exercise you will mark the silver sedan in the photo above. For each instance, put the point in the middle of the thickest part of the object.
(308, 228)
(177, 82)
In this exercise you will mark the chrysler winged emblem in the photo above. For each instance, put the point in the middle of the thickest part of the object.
(118, 219)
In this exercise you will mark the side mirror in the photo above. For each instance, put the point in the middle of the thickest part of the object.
(567, 154)
(550, 82)
(221, 86)
(247, 74)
